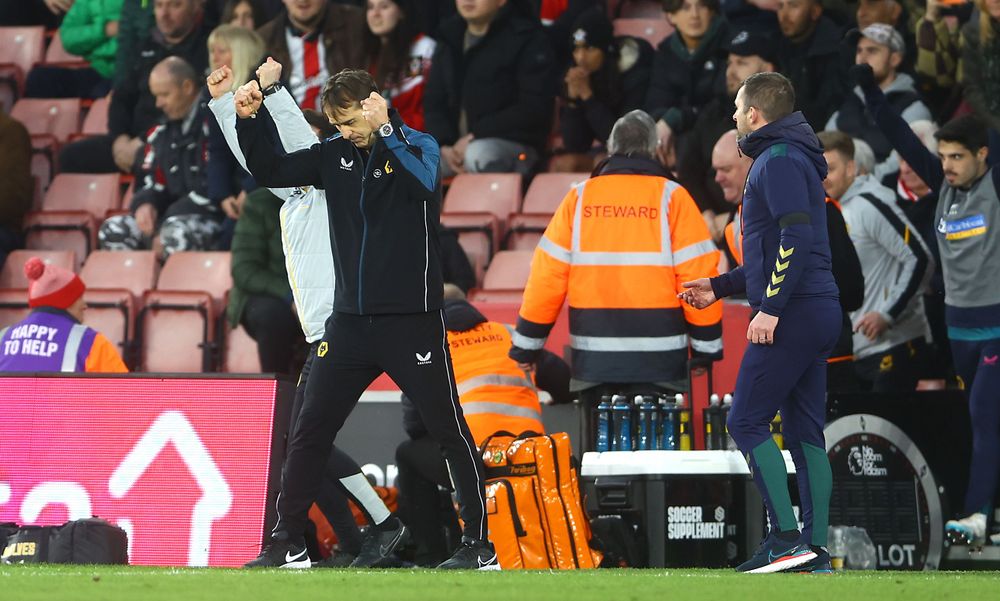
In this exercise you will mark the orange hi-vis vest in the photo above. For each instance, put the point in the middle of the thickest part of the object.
(618, 249)
(496, 395)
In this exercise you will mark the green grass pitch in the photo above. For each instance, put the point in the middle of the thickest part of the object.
(114, 583)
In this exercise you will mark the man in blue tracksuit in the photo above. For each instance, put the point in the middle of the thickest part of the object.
(797, 319)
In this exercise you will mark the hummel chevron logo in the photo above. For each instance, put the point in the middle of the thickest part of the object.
(777, 279)
(771, 292)
(785, 253)
(346, 165)
(779, 266)
(423, 359)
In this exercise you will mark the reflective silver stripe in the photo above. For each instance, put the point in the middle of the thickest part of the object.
(694, 251)
(522, 341)
(616, 344)
(479, 408)
(738, 233)
(72, 348)
(663, 258)
(554, 250)
(492, 380)
(707, 346)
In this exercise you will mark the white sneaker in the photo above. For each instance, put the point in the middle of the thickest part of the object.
(969, 530)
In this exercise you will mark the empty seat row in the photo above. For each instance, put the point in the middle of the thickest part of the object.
(163, 320)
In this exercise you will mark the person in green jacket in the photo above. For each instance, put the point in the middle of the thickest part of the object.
(90, 31)
(260, 299)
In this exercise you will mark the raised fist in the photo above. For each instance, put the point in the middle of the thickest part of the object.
(220, 81)
(248, 99)
(863, 75)
(375, 110)
(269, 73)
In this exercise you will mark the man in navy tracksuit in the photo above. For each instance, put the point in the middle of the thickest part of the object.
(383, 191)
(797, 319)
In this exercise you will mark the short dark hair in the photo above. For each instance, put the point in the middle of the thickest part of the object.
(319, 121)
(967, 130)
(837, 141)
(770, 93)
(672, 6)
(347, 88)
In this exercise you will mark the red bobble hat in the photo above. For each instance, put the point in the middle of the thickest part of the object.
(51, 286)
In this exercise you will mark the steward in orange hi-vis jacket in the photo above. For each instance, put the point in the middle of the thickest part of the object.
(619, 247)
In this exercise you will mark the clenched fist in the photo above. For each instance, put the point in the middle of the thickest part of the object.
(220, 81)
(375, 110)
(248, 99)
(269, 73)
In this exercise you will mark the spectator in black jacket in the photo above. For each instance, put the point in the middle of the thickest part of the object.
(749, 53)
(688, 70)
(609, 78)
(812, 57)
(170, 209)
(133, 111)
(491, 90)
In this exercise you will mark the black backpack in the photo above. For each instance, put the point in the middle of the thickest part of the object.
(27, 544)
(92, 541)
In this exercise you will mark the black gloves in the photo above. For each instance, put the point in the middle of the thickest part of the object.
(863, 76)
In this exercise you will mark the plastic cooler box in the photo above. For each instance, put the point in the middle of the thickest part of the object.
(687, 508)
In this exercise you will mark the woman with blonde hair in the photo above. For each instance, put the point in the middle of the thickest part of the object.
(228, 184)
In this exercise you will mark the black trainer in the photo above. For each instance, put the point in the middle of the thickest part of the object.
(378, 547)
(341, 559)
(282, 553)
(759, 557)
(472, 555)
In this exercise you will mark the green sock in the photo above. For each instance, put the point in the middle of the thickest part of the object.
(820, 487)
(771, 466)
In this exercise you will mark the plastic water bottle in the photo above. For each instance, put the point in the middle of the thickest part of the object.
(668, 437)
(683, 424)
(713, 431)
(652, 412)
(603, 429)
(621, 411)
(647, 421)
(727, 405)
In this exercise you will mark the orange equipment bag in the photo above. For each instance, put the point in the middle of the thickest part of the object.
(535, 509)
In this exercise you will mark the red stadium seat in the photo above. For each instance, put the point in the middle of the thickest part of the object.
(179, 318)
(12, 275)
(496, 193)
(240, 353)
(116, 282)
(50, 123)
(72, 209)
(56, 55)
(96, 121)
(544, 196)
(479, 236)
(641, 9)
(506, 277)
(13, 306)
(20, 49)
(654, 29)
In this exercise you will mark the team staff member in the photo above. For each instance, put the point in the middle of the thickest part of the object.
(967, 214)
(387, 306)
(797, 319)
(305, 241)
(52, 338)
(496, 396)
(619, 247)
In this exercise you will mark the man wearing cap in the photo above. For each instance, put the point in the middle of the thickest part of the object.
(749, 53)
(881, 47)
(52, 338)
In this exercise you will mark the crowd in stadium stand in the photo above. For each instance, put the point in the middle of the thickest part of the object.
(510, 86)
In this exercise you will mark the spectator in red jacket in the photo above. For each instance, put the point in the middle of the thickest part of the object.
(399, 56)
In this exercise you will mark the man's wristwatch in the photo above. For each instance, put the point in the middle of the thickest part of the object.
(386, 130)
(271, 89)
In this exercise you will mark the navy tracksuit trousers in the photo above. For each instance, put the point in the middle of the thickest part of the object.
(789, 376)
(978, 365)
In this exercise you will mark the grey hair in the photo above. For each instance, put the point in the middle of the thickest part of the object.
(925, 130)
(179, 69)
(634, 135)
(864, 157)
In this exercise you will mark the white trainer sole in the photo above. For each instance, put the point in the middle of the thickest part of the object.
(785, 564)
